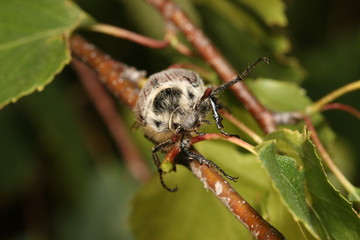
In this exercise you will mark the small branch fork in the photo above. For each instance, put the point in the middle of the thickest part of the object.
(317, 106)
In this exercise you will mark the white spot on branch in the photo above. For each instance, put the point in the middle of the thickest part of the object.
(218, 188)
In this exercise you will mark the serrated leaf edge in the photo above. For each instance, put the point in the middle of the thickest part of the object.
(66, 35)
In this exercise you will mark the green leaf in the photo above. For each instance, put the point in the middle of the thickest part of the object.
(272, 11)
(280, 96)
(190, 213)
(272, 94)
(290, 159)
(33, 44)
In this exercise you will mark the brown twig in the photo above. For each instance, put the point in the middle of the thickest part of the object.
(107, 110)
(342, 107)
(172, 13)
(330, 97)
(119, 78)
(242, 210)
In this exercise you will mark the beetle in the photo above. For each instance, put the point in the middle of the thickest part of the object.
(174, 104)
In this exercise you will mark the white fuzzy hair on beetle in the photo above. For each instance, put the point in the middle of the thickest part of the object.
(172, 106)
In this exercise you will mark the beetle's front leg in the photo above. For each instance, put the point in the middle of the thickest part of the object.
(217, 117)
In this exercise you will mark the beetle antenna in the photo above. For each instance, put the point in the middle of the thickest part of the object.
(241, 76)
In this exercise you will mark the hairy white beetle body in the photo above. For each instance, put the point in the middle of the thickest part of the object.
(171, 107)
(169, 103)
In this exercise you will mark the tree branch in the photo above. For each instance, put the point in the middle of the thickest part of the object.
(120, 79)
(260, 229)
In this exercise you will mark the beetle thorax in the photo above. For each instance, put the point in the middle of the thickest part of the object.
(167, 106)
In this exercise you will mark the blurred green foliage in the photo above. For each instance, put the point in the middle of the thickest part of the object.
(60, 174)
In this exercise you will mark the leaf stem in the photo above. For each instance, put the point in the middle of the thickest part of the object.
(220, 136)
(317, 106)
(125, 34)
(170, 38)
(342, 107)
(241, 126)
(169, 161)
